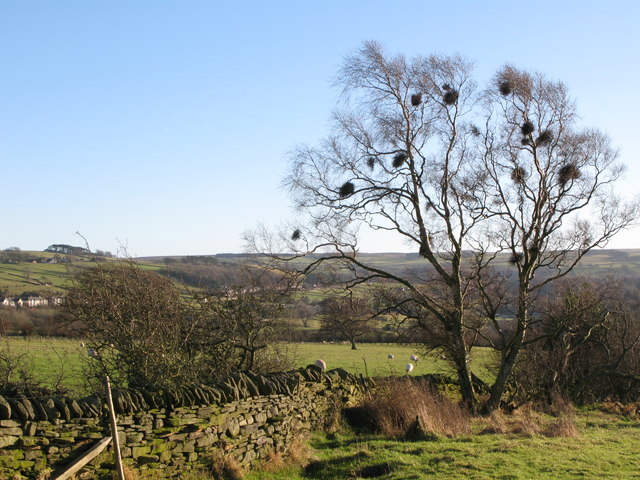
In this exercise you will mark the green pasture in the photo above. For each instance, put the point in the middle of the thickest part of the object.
(372, 359)
(606, 447)
(51, 362)
(60, 362)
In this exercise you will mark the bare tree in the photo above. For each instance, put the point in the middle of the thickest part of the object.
(251, 314)
(348, 317)
(416, 150)
(399, 160)
(550, 191)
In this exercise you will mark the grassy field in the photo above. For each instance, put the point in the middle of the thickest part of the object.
(606, 447)
(371, 359)
(58, 361)
(52, 362)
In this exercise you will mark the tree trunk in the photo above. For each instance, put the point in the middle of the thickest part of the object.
(353, 345)
(461, 362)
(513, 351)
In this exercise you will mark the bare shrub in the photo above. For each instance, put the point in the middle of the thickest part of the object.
(145, 333)
(585, 346)
(401, 406)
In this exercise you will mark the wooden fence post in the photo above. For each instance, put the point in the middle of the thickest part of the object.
(114, 429)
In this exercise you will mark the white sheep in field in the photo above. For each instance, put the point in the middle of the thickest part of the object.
(408, 368)
(321, 363)
(390, 356)
(414, 358)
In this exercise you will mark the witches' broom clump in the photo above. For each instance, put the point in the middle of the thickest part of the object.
(346, 189)
(399, 159)
(567, 173)
(526, 128)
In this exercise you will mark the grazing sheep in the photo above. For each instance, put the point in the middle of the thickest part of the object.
(321, 363)
(413, 358)
(390, 356)
(408, 368)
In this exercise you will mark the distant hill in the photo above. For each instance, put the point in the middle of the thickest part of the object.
(46, 273)
(41, 273)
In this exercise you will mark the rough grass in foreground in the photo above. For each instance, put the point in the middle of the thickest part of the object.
(606, 448)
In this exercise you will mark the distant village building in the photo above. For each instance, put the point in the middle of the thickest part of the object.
(30, 302)
(8, 302)
(33, 302)
(57, 301)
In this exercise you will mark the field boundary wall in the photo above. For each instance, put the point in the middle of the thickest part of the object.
(170, 432)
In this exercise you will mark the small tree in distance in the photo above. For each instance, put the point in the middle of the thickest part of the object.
(346, 317)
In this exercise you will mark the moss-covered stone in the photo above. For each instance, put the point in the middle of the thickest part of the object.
(139, 451)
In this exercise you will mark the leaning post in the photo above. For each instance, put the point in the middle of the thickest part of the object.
(114, 429)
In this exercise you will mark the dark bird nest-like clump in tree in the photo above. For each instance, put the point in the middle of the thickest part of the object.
(296, 235)
(526, 128)
(475, 131)
(451, 97)
(567, 173)
(518, 175)
(416, 99)
(371, 162)
(505, 87)
(516, 258)
(346, 189)
(399, 159)
(544, 138)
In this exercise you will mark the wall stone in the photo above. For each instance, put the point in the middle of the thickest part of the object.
(170, 432)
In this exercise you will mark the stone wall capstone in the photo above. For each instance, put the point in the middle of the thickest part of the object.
(170, 432)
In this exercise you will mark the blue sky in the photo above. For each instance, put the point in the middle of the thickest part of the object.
(164, 126)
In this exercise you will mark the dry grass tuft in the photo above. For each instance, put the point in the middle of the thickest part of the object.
(529, 420)
(618, 408)
(562, 427)
(225, 467)
(298, 453)
(406, 408)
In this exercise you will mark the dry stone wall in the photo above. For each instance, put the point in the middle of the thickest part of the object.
(171, 432)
